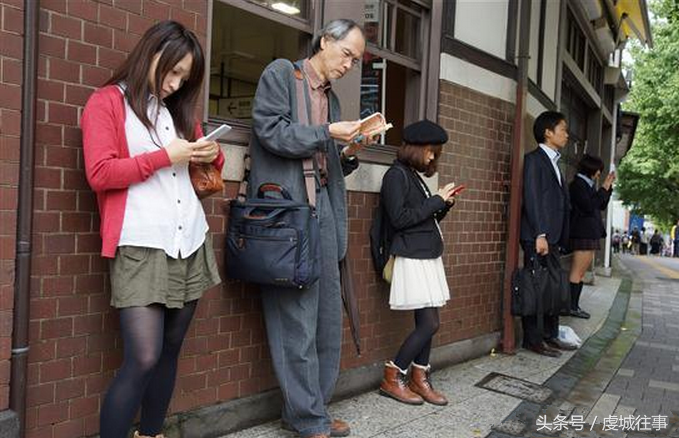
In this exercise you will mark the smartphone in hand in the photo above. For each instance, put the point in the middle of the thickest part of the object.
(457, 190)
(216, 134)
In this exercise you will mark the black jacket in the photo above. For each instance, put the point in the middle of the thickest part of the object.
(586, 213)
(412, 214)
(546, 205)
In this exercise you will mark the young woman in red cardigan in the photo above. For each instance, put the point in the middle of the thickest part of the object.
(139, 135)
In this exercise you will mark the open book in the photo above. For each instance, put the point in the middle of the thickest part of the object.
(374, 124)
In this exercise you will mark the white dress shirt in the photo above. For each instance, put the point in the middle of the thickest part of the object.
(554, 159)
(162, 212)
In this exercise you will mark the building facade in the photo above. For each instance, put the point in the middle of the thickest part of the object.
(457, 62)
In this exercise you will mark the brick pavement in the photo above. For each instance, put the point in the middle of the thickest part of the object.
(648, 379)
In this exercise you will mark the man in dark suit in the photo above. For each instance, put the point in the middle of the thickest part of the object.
(544, 219)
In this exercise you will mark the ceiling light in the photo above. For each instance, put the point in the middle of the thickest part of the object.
(285, 8)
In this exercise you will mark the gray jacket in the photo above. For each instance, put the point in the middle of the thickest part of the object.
(279, 143)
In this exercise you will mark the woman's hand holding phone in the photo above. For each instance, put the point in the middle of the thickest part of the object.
(446, 192)
(204, 151)
(608, 182)
(180, 151)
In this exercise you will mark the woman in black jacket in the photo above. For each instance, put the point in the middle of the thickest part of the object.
(419, 280)
(587, 228)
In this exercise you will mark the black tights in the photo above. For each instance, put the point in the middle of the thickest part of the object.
(417, 346)
(152, 338)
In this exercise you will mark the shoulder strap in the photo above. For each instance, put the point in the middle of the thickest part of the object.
(303, 118)
(307, 164)
(406, 176)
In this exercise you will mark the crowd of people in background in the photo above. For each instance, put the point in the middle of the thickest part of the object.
(646, 241)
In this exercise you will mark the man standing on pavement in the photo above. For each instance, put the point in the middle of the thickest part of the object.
(304, 327)
(544, 220)
(675, 240)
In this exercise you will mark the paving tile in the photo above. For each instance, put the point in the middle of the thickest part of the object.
(669, 386)
(604, 407)
(624, 372)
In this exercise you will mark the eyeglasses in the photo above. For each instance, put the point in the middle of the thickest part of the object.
(347, 55)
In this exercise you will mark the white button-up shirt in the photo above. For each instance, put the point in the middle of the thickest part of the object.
(554, 159)
(162, 212)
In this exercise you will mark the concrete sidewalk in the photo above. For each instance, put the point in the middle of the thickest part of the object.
(473, 411)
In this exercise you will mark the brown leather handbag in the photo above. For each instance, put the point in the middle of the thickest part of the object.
(206, 179)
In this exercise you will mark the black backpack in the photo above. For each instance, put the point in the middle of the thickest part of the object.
(381, 234)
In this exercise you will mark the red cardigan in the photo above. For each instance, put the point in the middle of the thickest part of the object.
(109, 168)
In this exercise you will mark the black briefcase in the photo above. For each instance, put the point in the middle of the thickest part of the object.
(540, 288)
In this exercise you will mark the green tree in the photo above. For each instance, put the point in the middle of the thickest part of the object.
(649, 174)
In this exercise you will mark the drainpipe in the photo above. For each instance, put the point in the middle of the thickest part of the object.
(22, 280)
(515, 190)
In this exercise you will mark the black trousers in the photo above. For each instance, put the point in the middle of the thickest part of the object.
(531, 334)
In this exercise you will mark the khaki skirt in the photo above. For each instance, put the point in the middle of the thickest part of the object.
(142, 276)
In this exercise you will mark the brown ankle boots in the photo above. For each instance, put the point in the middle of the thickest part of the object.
(421, 385)
(394, 386)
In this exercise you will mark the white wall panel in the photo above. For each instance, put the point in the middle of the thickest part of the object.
(483, 24)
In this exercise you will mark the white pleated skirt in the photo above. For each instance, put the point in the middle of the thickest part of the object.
(418, 283)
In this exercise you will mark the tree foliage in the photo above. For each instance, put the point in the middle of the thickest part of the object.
(649, 173)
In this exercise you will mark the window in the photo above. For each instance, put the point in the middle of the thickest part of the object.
(392, 70)
(577, 113)
(594, 70)
(576, 41)
(243, 44)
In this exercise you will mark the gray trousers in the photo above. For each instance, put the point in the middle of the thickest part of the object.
(304, 328)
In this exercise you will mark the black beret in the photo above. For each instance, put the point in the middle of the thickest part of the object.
(424, 132)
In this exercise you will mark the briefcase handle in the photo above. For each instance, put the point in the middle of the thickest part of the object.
(272, 214)
(273, 188)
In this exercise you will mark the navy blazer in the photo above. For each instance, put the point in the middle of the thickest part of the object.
(412, 214)
(587, 204)
(546, 204)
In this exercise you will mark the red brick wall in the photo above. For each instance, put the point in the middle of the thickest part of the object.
(11, 45)
(75, 347)
(74, 344)
(477, 155)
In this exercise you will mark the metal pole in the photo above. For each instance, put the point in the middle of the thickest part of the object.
(609, 210)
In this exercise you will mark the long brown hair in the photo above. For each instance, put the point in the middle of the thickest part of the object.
(173, 41)
(414, 156)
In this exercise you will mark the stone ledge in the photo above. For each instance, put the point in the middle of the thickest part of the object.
(9, 424)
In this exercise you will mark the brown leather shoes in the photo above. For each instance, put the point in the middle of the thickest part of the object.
(420, 384)
(338, 428)
(320, 435)
(394, 386)
(560, 345)
(544, 350)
